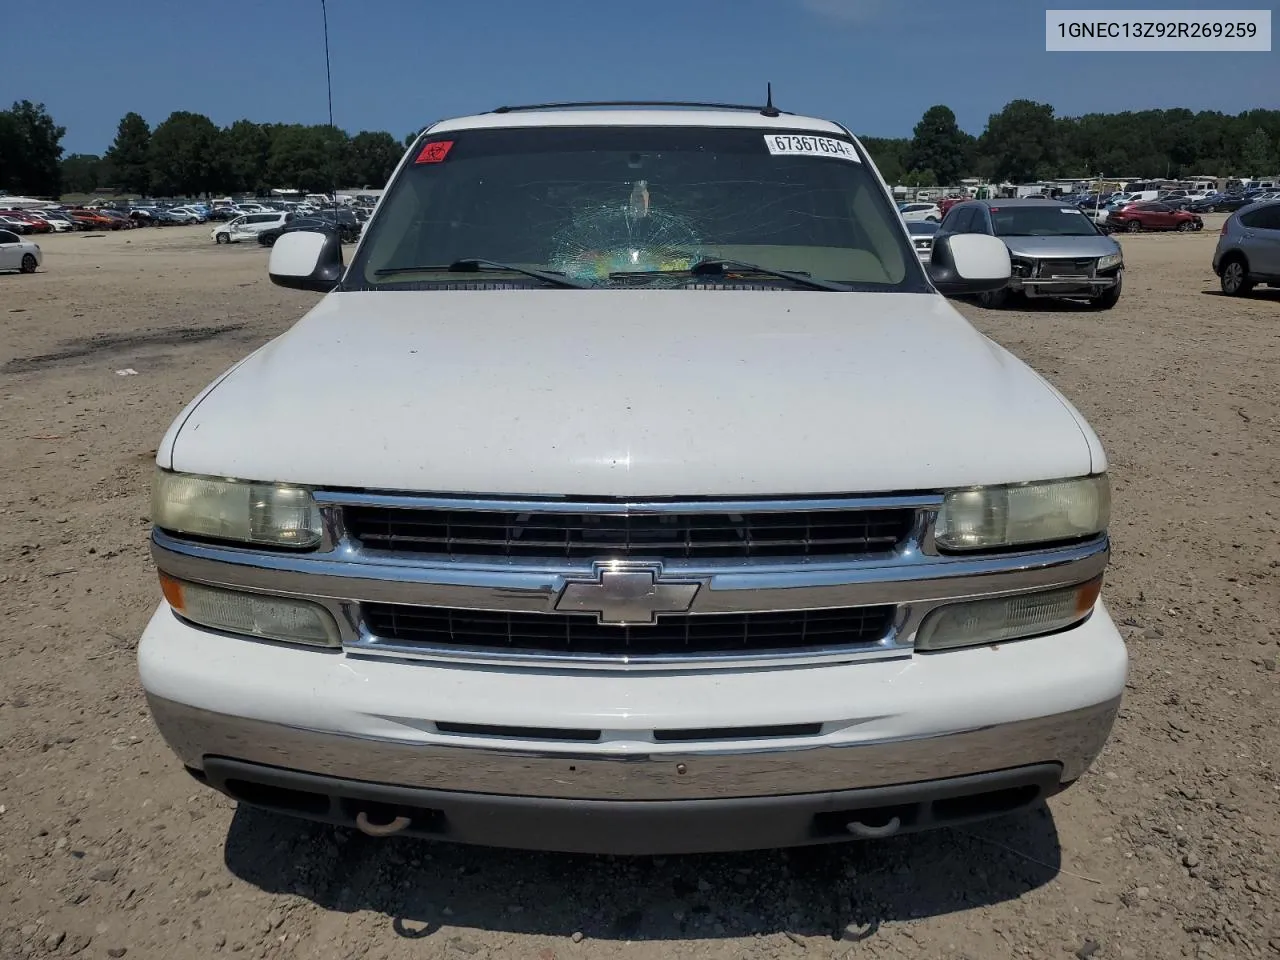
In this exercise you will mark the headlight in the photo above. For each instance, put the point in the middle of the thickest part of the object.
(999, 619)
(252, 614)
(272, 514)
(984, 518)
(1110, 260)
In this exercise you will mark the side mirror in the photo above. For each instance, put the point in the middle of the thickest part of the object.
(968, 263)
(306, 260)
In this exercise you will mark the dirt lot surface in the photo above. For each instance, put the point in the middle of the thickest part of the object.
(1170, 847)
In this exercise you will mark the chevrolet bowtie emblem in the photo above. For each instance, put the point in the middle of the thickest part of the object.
(627, 594)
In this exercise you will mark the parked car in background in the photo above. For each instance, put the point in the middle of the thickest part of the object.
(168, 218)
(920, 211)
(1152, 215)
(269, 236)
(17, 253)
(57, 223)
(922, 233)
(248, 226)
(224, 214)
(14, 224)
(191, 213)
(123, 219)
(1055, 250)
(1248, 251)
(1233, 202)
(19, 221)
(349, 225)
(93, 220)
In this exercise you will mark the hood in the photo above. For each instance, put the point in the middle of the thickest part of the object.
(631, 394)
(1064, 247)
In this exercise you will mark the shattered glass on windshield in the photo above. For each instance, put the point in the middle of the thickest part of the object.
(631, 236)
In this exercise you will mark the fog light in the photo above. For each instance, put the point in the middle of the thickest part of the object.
(252, 614)
(998, 619)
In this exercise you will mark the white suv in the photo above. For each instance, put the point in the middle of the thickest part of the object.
(248, 226)
(634, 488)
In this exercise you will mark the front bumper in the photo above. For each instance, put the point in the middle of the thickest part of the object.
(489, 755)
(1082, 287)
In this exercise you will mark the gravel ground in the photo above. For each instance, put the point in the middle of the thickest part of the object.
(1170, 847)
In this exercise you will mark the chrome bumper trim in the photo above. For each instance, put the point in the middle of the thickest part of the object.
(913, 581)
(727, 588)
(1071, 740)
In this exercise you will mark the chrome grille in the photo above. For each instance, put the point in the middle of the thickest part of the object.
(578, 635)
(569, 535)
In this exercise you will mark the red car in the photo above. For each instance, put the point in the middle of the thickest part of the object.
(1152, 215)
(946, 203)
(92, 220)
(34, 224)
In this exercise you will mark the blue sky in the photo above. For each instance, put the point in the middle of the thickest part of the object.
(875, 65)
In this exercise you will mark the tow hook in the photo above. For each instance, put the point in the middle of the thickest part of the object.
(371, 829)
(869, 832)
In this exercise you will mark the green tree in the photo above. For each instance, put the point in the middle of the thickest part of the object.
(409, 138)
(938, 144)
(81, 172)
(1020, 138)
(246, 149)
(1256, 154)
(129, 156)
(30, 150)
(185, 155)
(371, 157)
(921, 178)
(307, 158)
(889, 155)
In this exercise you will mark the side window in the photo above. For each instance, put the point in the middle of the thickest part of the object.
(956, 220)
(1268, 218)
(977, 222)
(7, 237)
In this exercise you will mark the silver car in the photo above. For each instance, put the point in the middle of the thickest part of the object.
(1248, 251)
(1056, 250)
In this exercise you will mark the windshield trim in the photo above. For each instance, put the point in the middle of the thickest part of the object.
(915, 278)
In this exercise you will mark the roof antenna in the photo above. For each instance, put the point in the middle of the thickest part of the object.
(769, 109)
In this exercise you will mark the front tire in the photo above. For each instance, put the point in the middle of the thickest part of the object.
(269, 241)
(994, 299)
(1185, 226)
(222, 238)
(1234, 279)
(1109, 298)
(28, 263)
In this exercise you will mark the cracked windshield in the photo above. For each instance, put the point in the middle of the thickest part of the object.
(639, 206)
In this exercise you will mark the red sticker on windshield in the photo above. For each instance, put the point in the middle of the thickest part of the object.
(435, 152)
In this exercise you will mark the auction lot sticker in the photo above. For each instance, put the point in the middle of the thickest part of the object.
(794, 145)
(1158, 31)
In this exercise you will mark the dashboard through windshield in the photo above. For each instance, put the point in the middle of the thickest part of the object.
(636, 205)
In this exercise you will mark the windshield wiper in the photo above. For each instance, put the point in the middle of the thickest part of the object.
(476, 265)
(715, 265)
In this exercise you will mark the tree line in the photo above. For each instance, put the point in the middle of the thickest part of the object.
(188, 154)
(1026, 142)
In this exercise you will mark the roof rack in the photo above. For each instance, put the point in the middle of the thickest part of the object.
(768, 110)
